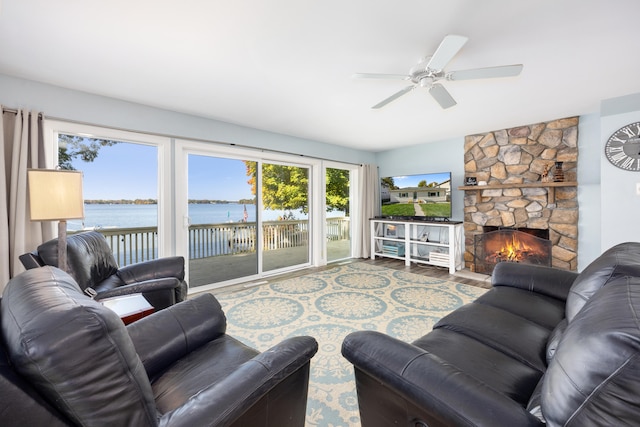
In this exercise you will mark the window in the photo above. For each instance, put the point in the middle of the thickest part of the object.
(142, 193)
(121, 187)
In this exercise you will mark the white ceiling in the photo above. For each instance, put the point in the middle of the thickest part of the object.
(285, 65)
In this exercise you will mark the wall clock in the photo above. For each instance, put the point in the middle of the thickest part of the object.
(623, 147)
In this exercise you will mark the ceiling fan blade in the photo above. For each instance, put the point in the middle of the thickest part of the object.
(448, 48)
(486, 73)
(381, 76)
(393, 97)
(442, 96)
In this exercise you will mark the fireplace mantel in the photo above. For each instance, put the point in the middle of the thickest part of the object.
(551, 193)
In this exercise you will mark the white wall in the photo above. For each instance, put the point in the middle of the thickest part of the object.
(589, 188)
(73, 105)
(620, 203)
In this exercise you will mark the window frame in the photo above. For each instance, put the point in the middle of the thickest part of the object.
(165, 190)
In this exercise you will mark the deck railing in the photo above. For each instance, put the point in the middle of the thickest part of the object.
(133, 245)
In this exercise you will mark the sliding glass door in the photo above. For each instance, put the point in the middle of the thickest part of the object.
(222, 220)
(124, 188)
(285, 207)
(243, 217)
(235, 214)
(338, 213)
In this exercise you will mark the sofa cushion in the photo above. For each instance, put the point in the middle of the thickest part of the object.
(95, 377)
(620, 260)
(184, 379)
(486, 324)
(490, 366)
(594, 378)
(538, 308)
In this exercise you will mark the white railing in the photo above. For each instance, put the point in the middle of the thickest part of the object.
(133, 245)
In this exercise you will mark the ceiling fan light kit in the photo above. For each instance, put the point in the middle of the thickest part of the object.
(428, 71)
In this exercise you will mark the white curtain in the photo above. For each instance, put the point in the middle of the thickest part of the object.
(369, 197)
(23, 144)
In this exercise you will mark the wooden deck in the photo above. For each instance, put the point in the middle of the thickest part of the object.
(205, 271)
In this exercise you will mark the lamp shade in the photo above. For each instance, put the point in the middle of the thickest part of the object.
(55, 194)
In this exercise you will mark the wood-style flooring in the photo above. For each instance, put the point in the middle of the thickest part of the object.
(427, 270)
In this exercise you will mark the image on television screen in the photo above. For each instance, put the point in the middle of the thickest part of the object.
(420, 196)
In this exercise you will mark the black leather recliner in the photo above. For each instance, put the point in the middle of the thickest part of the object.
(176, 367)
(543, 347)
(91, 263)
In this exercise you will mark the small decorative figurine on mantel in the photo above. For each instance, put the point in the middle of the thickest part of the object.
(544, 176)
(558, 175)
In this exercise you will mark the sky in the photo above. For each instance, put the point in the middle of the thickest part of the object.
(129, 171)
(404, 181)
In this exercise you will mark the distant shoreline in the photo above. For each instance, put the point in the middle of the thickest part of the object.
(155, 202)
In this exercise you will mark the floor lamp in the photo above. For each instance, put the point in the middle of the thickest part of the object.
(56, 195)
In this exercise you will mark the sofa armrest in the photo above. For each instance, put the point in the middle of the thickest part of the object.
(225, 401)
(170, 334)
(153, 269)
(447, 395)
(549, 281)
(31, 260)
(167, 284)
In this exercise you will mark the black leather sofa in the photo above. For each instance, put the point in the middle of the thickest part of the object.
(92, 264)
(542, 346)
(65, 359)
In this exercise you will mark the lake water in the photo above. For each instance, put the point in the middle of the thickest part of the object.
(126, 216)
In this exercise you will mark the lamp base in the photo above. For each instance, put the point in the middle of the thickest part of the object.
(62, 245)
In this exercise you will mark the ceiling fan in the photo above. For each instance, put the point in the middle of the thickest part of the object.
(430, 70)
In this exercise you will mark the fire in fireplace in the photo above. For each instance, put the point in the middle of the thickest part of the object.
(523, 245)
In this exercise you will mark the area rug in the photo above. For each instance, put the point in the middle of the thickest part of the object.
(330, 304)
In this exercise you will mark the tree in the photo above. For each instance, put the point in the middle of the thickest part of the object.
(283, 187)
(388, 181)
(337, 189)
(73, 146)
(286, 188)
(422, 183)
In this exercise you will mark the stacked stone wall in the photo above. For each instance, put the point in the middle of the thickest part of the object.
(523, 155)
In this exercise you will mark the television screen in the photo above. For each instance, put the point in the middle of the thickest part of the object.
(423, 196)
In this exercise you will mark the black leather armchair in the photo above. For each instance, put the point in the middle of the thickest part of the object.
(176, 367)
(92, 264)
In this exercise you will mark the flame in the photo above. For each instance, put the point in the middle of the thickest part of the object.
(513, 249)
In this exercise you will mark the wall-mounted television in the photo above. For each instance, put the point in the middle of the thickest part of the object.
(418, 197)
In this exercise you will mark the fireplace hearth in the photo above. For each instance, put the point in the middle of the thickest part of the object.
(521, 245)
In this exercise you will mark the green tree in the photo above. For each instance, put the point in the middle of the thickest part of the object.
(389, 182)
(337, 189)
(71, 147)
(283, 187)
(286, 188)
(422, 183)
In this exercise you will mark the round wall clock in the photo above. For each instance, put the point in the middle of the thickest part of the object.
(623, 147)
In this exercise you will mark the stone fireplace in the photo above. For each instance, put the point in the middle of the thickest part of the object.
(515, 169)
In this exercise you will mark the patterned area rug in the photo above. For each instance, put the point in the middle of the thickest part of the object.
(330, 304)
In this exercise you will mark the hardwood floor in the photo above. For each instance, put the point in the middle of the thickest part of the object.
(465, 277)
(428, 270)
